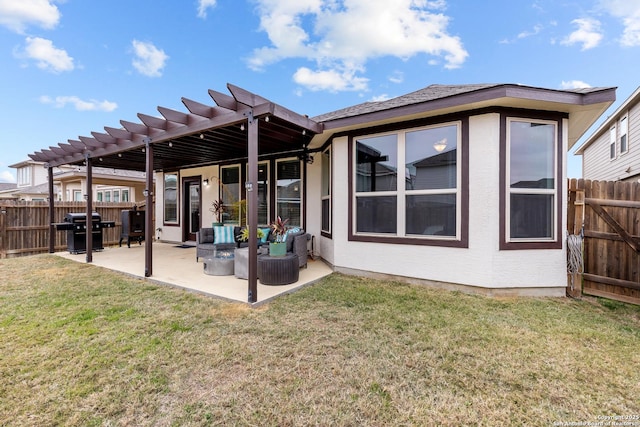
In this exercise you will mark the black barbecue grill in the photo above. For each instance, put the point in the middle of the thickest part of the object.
(75, 224)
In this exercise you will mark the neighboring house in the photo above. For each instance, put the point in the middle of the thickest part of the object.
(7, 188)
(612, 152)
(31, 182)
(109, 185)
(460, 186)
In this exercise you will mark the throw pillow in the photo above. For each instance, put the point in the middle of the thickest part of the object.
(223, 234)
(265, 235)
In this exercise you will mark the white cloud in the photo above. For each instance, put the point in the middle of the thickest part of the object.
(380, 98)
(588, 33)
(629, 12)
(18, 14)
(47, 56)
(330, 80)
(397, 77)
(340, 36)
(149, 60)
(79, 104)
(203, 5)
(536, 30)
(574, 84)
(7, 176)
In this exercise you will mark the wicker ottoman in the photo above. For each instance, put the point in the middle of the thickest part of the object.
(281, 270)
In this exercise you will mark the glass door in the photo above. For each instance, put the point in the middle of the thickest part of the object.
(192, 207)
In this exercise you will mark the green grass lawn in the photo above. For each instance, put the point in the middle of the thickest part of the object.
(82, 346)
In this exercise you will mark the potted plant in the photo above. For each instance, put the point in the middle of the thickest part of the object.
(244, 234)
(217, 207)
(279, 247)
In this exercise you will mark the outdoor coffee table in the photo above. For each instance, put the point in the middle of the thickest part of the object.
(220, 264)
(279, 270)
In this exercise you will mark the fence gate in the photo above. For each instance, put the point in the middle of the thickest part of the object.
(609, 213)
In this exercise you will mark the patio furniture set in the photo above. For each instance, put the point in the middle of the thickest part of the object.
(224, 254)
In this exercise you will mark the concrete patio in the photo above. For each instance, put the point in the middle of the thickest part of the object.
(176, 266)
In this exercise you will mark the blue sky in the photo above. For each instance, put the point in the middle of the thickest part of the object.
(70, 67)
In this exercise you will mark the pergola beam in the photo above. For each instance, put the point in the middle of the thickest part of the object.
(90, 142)
(79, 145)
(68, 149)
(136, 128)
(105, 138)
(201, 110)
(178, 117)
(245, 97)
(58, 150)
(223, 100)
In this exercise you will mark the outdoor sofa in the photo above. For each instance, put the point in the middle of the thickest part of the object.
(228, 239)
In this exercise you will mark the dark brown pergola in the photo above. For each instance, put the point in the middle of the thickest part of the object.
(243, 126)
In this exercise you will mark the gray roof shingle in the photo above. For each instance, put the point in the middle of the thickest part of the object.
(429, 93)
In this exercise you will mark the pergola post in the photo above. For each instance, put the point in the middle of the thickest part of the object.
(89, 197)
(148, 221)
(252, 205)
(52, 231)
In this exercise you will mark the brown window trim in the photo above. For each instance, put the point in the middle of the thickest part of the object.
(178, 199)
(463, 242)
(534, 115)
(329, 234)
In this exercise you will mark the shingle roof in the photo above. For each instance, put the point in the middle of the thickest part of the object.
(429, 93)
(8, 186)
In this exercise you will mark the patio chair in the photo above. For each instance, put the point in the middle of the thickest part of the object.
(207, 243)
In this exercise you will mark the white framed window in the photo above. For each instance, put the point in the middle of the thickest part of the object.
(171, 198)
(125, 195)
(408, 183)
(289, 190)
(532, 187)
(107, 196)
(24, 176)
(612, 143)
(77, 195)
(325, 191)
(99, 196)
(230, 194)
(116, 196)
(624, 131)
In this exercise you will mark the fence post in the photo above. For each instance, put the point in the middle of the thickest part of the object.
(575, 245)
(3, 232)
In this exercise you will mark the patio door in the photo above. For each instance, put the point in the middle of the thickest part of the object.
(191, 208)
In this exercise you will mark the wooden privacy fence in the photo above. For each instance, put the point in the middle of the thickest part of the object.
(24, 226)
(608, 216)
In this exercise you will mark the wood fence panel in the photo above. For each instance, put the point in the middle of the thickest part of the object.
(611, 238)
(24, 226)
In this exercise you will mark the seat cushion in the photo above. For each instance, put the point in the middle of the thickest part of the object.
(290, 237)
(206, 235)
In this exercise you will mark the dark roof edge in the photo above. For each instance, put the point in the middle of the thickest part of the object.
(483, 93)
